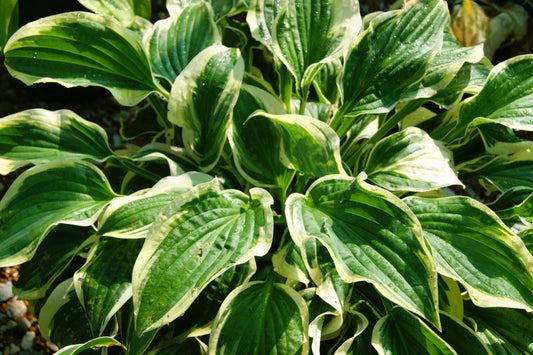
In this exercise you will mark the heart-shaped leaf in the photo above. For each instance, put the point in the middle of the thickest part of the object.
(44, 196)
(472, 245)
(274, 315)
(371, 235)
(196, 238)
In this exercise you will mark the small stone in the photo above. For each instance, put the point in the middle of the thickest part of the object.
(13, 349)
(16, 309)
(24, 324)
(53, 347)
(8, 327)
(6, 291)
(27, 340)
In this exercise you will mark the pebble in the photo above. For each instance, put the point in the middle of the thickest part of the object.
(11, 324)
(16, 309)
(27, 340)
(24, 324)
(13, 349)
(6, 291)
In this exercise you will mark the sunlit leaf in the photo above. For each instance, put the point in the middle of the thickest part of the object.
(256, 146)
(173, 42)
(39, 136)
(44, 196)
(123, 10)
(202, 101)
(196, 238)
(472, 245)
(410, 160)
(275, 318)
(81, 49)
(371, 236)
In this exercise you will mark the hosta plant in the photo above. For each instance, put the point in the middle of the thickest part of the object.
(302, 191)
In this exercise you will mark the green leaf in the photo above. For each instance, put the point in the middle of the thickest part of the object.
(221, 8)
(444, 67)
(371, 236)
(400, 332)
(173, 42)
(132, 216)
(450, 298)
(308, 33)
(123, 10)
(505, 331)
(39, 136)
(288, 263)
(101, 342)
(53, 256)
(506, 98)
(103, 284)
(81, 49)
(44, 196)
(198, 318)
(274, 316)
(307, 144)
(502, 140)
(505, 172)
(393, 54)
(8, 20)
(202, 100)
(62, 320)
(410, 160)
(195, 239)
(256, 147)
(326, 82)
(460, 337)
(469, 79)
(472, 245)
(136, 344)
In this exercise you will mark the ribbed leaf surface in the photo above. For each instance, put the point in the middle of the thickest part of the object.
(410, 160)
(202, 100)
(123, 10)
(261, 318)
(506, 98)
(308, 33)
(80, 49)
(132, 216)
(39, 136)
(103, 284)
(173, 42)
(220, 7)
(307, 144)
(44, 196)
(195, 239)
(371, 236)
(256, 146)
(393, 54)
(401, 333)
(471, 244)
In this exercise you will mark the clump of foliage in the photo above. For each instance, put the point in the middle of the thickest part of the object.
(295, 196)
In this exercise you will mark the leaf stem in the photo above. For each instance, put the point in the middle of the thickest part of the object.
(127, 164)
(285, 82)
(160, 110)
